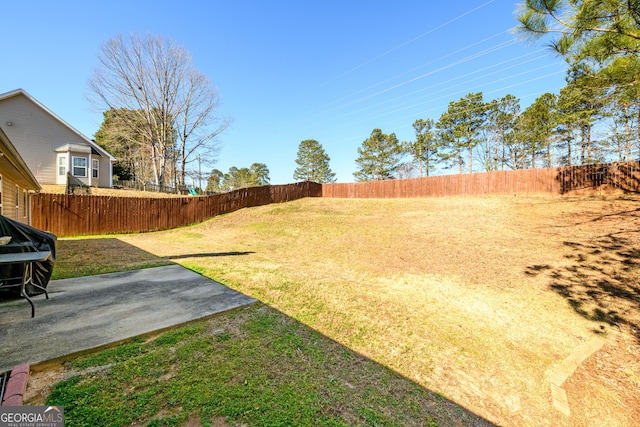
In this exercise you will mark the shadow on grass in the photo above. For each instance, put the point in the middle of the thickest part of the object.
(87, 257)
(601, 280)
(211, 254)
(618, 175)
(255, 366)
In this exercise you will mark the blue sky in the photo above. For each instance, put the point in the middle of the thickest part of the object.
(290, 70)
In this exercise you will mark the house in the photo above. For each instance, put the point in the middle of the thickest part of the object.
(17, 183)
(50, 147)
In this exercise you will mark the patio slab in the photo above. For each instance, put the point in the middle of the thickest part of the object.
(87, 313)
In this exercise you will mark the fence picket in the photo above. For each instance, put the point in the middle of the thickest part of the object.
(78, 214)
(74, 214)
(624, 176)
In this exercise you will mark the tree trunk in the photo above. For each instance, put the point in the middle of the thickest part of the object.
(638, 131)
(589, 145)
(533, 155)
(496, 154)
(625, 153)
(159, 165)
(426, 163)
(583, 144)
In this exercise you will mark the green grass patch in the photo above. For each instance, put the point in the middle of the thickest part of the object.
(120, 353)
(255, 367)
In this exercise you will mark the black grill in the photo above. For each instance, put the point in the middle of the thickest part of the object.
(4, 377)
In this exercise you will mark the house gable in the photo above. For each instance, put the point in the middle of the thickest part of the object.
(37, 132)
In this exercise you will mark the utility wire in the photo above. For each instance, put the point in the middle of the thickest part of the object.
(471, 57)
(408, 42)
(499, 66)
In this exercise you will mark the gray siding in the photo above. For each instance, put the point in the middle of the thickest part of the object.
(35, 133)
(16, 201)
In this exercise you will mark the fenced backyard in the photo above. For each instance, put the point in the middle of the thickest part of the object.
(414, 311)
(70, 215)
(479, 299)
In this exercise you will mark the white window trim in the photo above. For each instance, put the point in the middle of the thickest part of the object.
(73, 166)
(95, 167)
(62, 165)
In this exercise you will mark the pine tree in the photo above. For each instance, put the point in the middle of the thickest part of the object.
(533, 131)
(460, 127)
(501, 118)
(379, 157)
(214, 183)
(424, 149)
(313, 163)
(259, 174)
(586, 29)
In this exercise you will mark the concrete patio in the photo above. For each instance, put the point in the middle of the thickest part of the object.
(87, 313)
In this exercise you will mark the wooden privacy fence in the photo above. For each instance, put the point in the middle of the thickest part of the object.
(73, 215)
(498, 182)
(624, 176)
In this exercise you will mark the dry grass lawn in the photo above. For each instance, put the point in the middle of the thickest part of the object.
(473, 298)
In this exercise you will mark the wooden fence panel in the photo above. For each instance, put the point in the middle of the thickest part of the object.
(624, 176)
(70, 215)
(75, 215)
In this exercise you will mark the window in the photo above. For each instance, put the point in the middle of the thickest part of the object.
(94, 168)
(62, 165)
(17, 195)
(25, 203)
(80, 166)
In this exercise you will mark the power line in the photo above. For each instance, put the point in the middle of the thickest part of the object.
(408, 42)
(499, 65)
(422, 65)
(411, 80)
(440, 107)
(330, 113)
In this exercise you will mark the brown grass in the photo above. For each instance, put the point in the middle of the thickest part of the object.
(474, 298)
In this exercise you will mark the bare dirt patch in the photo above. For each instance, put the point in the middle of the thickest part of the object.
(612, 372)
(40, 383)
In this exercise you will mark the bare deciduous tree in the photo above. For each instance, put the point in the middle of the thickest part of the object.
(174, 105)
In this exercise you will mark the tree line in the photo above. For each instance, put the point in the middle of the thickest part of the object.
(312, 161)
(254, 176)
(161, 113)
(594, 118)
